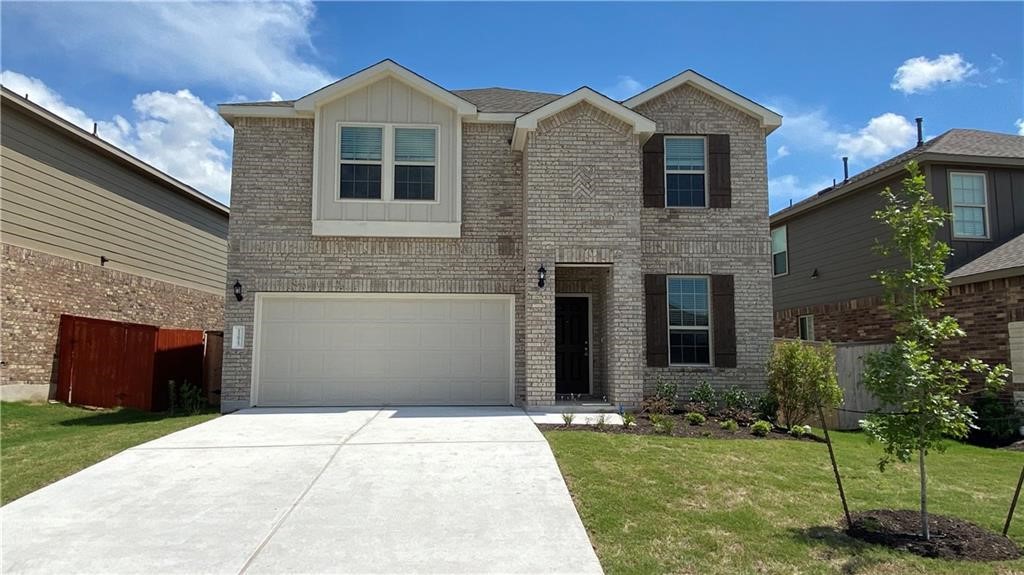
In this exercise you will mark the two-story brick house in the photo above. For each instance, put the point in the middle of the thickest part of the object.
(394, 242)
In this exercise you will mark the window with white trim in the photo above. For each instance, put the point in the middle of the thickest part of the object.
(387, 162)
(361, 153)
(689, 320)
(780, 251)
(969, 198)
(685, 172)
(415, 163)
(806, 326)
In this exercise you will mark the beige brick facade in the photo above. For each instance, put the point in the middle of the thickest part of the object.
(572, 197)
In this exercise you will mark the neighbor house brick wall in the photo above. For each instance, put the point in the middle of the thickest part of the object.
(709, 241)
(984, 310)
(38, 287)
(583, 206)
(272, 248)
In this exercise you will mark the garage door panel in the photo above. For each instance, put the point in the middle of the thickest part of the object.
(373, 350)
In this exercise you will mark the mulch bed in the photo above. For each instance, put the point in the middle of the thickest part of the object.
(709, 429)
(951, 538)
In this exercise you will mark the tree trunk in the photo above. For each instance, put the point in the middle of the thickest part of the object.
(925, 532)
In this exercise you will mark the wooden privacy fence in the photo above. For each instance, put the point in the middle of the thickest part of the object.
(118, 364)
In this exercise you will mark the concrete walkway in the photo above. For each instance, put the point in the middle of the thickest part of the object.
(405, 490)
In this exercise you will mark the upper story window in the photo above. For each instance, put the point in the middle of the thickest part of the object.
(780, 251)
(361, 152)
(689, 320)
(685, 172)
(970, 204)
(387, 162)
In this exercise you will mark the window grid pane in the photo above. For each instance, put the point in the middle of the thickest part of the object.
(414, 145)
(969, 221)
(779, 263)
(361, 143)
(414, 182)
(688, 302)
(968, 189)
(689, 347)
(684, 154)
(685, 190)
(360, 181)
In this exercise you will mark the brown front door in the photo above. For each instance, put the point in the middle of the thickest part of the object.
(572, 345)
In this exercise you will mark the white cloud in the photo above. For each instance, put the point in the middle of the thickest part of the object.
(1020, 126)
(882, 136)
(789, 187)
(275, 97)
(177, 133)
(624, 88)
(256, 46)
(812, 133)
(781, 152)
(921, 74)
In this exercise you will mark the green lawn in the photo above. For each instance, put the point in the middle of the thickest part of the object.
(673, 505)
(41, 443)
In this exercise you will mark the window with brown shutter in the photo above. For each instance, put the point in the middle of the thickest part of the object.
(654, 172)
(723, 317)
(656, 304)
(719, 172)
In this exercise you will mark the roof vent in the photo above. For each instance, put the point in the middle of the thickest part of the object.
(920, 131)
(846, 168)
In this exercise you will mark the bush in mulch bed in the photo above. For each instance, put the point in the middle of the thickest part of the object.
(711, 427)
(951, 538)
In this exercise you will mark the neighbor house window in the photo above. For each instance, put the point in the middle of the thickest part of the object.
(361, 162)
(685, 175)
(780, 252)
(970, 204)
(415, 163)
(689, 321)
(807, 327)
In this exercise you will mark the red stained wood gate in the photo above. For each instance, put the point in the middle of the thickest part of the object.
(118, 364)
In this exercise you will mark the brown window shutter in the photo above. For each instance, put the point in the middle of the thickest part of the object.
(719, 172)
(723, 317)
(656, 302)
(654, 172)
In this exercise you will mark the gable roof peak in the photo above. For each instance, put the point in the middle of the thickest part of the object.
(528, 122)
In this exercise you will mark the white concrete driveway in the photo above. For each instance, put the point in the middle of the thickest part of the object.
(404, 490)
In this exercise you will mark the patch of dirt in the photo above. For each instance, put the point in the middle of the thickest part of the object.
(1018, 446)
(951, 538)
(710, 429)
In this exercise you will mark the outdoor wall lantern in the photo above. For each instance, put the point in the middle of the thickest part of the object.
(238, 290)
(541, 274)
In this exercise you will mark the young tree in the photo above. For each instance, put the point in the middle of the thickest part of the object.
(910, 377)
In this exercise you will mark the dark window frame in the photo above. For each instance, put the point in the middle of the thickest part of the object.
(694, 329)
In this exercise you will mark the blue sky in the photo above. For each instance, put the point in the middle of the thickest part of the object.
(849, 78)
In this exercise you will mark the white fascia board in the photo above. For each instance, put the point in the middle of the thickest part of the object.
(378, 229)
(231, 111)
(526, 123)
(769, 119)
(384, 69)
(493, 118)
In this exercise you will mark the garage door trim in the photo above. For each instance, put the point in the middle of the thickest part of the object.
(260, 297)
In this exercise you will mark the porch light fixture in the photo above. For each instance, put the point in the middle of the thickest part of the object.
(541, 274)
(238, 290)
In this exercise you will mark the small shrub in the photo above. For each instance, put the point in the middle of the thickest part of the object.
(567, 418)
(799, 431)
(601, 421)
(191, 398)
(802, 377)
(736, 398)
(667, 390)
(761, 428)
(663, 423)
(743, 417)
(767, 407)
(704, 397)
(694, 418)
(705, 434)
(998, 422)
(657, 405)
(628, 419)
(729, 425)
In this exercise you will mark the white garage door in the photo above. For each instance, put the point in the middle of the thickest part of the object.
(383, 350)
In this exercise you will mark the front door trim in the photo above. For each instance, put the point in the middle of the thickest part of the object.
(590, 335)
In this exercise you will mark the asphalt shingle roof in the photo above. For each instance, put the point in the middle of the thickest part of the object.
(1007, 256)
(506, 99)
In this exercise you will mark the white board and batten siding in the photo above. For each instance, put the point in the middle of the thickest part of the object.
(321, 349)
(388, 101)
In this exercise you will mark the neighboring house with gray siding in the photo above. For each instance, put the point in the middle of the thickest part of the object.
(395, 242)
(823, 255)
(90, 230)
